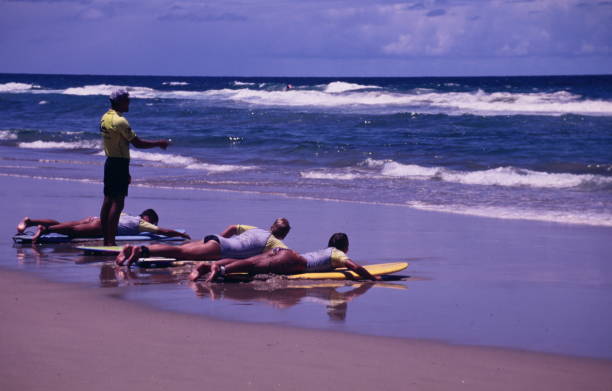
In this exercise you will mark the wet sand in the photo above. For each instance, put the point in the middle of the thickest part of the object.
(487, 282)
(60, 336)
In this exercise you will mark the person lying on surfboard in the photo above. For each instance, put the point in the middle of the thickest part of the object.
(91, 227)
(237, 241)
(286, 261)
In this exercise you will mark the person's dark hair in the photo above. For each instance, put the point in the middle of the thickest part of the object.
(152, 215)
(280, 228)
(339, 240)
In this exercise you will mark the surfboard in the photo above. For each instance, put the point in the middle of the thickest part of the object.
(344, 274)
(59, 238)
(338, 274)
(100, 250)
(159, 262)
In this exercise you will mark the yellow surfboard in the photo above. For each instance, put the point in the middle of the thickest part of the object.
(345, 274)
(100, 250)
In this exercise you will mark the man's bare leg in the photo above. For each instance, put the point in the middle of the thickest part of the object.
(40, 230)
(277, 262)
(190, 251)
(202, 268)
(109, 216)
(28, 222)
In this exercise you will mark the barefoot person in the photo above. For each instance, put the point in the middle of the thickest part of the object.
(117, 135)
(91, 227)
(237, 241)
(285, 261)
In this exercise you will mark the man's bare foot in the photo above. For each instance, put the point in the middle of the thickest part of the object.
(39, 231)
(123, 255)
(23, 224)
(214, 272)
(128, 255)
(199, 269)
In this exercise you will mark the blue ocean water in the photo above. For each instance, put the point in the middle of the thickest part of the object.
(536, 148)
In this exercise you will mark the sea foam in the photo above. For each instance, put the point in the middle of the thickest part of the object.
(344, 95)
(565, 217)
(500, 176)
(341, 86)
(39, 144)
(106, 89)
(7, 135)
(186, 162)
(17, 87)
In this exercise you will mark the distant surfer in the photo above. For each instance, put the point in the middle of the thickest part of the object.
(116, 136)
(286, 261)
(91, 227)
(237, 241)
(288, 87)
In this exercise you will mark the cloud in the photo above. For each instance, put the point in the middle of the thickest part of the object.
(436, 12)
(417, 6)
(199, 15)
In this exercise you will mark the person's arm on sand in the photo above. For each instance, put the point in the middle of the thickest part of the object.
(146, 144)
(351, 265)
(171, 233)
(230, 231)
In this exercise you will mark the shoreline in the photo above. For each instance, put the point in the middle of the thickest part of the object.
(500, 214)
(61, 335)
(473, 276)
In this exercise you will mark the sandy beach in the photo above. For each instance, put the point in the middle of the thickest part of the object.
(58, 336)
(67, 323)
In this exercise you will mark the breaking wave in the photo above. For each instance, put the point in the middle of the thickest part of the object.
(7, 135)
(564, 217)
(187, 162)
(39, 144)
(501, 176)
(344, 95)
(18, 87)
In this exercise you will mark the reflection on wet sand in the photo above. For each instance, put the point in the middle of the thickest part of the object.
(113, 275)
(36, 254)
(282, 293)
(276, 291)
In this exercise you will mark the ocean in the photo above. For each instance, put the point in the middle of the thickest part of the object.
(535, 148)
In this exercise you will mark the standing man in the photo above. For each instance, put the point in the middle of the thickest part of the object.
(116, 136)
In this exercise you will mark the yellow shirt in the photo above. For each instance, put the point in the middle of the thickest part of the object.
(272, 242)
(116, 134)
(145, 226)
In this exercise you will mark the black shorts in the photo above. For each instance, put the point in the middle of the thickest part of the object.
(116, 177)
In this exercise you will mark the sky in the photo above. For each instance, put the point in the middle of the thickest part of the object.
(306, 38)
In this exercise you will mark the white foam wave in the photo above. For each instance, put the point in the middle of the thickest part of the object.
(355, 96)
(187, 162)
(175, 83)
(7, 135)
(17, 87)
(39, 144)
(424, 101)
(501, 176)
(565, 217)
(43, 102)
(336, 87)
(242, 83)
(106, 89)
(328, 175)
(71, 133)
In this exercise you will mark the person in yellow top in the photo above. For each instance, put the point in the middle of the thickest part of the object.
(286, 261)
(117, 135)
(236, 241)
